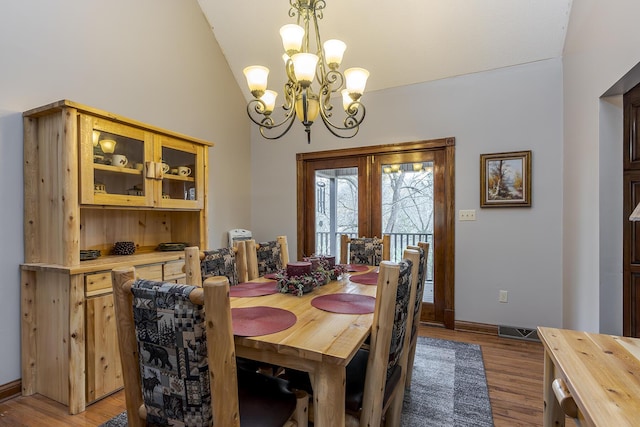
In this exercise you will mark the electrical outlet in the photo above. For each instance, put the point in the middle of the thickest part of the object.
(467, 215)
(502, 296)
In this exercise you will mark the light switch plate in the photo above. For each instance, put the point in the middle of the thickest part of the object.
(467, 215)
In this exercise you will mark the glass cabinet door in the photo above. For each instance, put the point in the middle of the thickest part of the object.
(113, 162)
(122, 165)
(183, 173)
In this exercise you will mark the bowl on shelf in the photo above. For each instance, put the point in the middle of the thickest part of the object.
(87, 254)
(123, 248)
(172, 246)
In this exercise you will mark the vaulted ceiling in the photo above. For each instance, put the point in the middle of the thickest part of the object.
(400, 42)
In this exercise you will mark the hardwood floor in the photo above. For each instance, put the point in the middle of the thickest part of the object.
(514, 371)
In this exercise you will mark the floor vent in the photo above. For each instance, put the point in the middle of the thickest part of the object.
(518, 333)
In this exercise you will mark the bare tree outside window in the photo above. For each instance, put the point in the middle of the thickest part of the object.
(407, 204)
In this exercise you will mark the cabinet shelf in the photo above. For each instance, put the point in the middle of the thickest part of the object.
(178, 178)
(116, 169)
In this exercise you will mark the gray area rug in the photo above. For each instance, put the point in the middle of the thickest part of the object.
(448, 389)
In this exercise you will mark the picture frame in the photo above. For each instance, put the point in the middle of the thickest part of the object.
(505, 179)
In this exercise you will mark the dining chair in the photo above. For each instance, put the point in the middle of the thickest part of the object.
(266, 257)
(178, 359)
(364, 250)
(376, 375)
(228, 262)
(383, 381)
(423, 249)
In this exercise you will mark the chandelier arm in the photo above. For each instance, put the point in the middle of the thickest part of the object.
(294, 9)
(267, 129)
(255, 109)
(318, 7)
(335, 130)
(334, 79)
(355, 116)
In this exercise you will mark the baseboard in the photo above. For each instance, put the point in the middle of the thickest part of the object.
(10, 390)
(480, 328)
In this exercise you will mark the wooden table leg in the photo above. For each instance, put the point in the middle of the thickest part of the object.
(329, 395)
(553, 414)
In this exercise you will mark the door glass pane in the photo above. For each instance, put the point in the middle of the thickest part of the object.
(118, 164)
(407, 210)
(178, 181)
(336, 208)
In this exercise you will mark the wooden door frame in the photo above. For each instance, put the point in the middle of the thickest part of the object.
(444, 266)
(631, 197)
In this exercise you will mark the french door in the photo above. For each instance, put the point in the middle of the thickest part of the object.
(404, 190)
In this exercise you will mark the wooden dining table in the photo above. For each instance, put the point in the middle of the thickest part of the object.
(320, 342)
(592, 378)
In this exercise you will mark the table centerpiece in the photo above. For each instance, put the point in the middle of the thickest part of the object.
(300, 278)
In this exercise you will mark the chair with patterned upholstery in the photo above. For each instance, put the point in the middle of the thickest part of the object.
(375, 377)
(178, 359)
(423, 249)
(228, 262)
(267, 257)
(364, 250)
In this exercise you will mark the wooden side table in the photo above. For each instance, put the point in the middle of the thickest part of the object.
(593, 378)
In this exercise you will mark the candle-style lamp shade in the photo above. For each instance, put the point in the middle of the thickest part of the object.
(635, 215)
(108, 145)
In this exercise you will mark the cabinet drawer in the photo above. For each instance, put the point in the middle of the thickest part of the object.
(174, 270)
(149, 272)
(97, 283)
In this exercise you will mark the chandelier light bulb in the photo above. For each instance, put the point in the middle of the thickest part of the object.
(356, 81)
(269, 99)
(417, 167)
(333, 52)
(292, 36)
(304, 67)
(256, 79)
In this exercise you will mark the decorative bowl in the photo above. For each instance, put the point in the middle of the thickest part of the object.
(123, 248)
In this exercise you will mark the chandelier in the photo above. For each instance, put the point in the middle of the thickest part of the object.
(302, 64)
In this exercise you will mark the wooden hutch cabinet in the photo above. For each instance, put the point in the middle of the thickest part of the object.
(91, 179)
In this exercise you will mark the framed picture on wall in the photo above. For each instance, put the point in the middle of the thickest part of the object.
(505, 179)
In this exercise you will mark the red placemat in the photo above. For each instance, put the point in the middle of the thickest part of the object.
(365, 279)
(259, 320)
(249, 289)
(345, 303)
(356, 267)
(270, 276)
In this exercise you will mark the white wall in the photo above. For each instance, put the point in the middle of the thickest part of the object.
(155, 61)
(602, 44)
(517, 249)
(611, 207)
